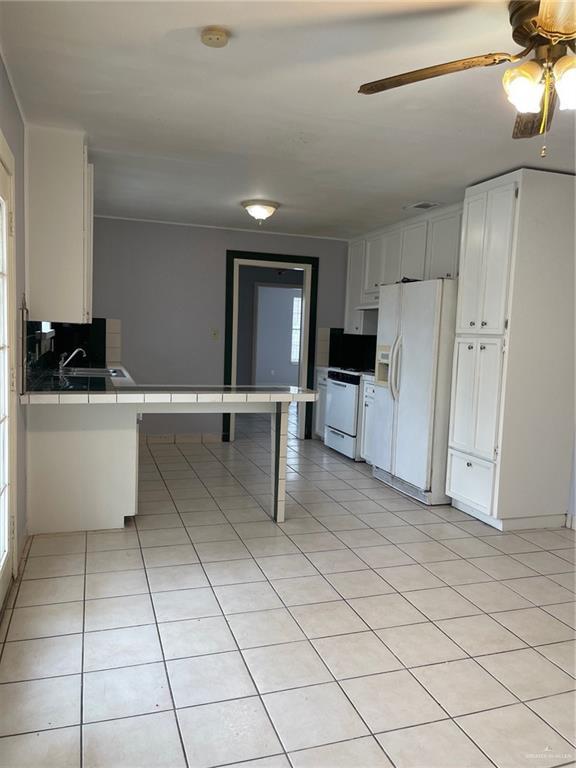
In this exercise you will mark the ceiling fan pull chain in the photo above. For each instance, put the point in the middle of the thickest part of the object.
(546, 107)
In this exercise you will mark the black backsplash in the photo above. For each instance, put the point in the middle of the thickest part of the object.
(43, 355)
(348, 350)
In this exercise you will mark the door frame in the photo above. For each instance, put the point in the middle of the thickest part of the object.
(8, 163)
(309, 265)
(257, 287)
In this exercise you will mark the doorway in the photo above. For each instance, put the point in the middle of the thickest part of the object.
(252, 356)
(7, 371)
(277, 332)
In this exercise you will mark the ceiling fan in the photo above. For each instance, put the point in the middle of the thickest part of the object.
(546, 29)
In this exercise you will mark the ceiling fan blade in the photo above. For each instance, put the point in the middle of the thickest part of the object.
(487, 60)
(557, 19)
(527, 125)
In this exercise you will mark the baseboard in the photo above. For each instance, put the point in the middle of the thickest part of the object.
(515, 523)
(180, 438)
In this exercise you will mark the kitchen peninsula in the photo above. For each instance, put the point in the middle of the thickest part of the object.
(83, 446)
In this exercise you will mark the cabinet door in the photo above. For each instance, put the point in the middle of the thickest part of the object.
(470, 280)
(413, 251)
(443, 246)
(88, 237)
(470, 481)
(393, 252)
(320, 416)
(488, 378)
(367, 430)
(356, 252)
(463, 395)
(373, 267)
(496, 260)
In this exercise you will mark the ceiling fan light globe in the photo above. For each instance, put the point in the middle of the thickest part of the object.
(524, 86)
(565, 81)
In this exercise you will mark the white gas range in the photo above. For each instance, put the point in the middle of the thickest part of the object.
(343, 423)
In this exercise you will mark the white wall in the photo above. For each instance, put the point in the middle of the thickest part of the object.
(167, 285)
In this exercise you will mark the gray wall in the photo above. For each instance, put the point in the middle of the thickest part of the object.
(12, 126)
(274, 335)
(249, 277)
(166, 283)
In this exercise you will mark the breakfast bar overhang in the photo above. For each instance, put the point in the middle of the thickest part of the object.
(83, 448)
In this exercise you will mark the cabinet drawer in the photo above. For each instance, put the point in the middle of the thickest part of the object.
(470, 481)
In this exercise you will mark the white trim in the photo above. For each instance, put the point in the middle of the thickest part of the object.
(258, 231)
(7, 161)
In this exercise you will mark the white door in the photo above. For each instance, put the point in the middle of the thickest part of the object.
(462, 416)
(496, 260)
(393, 252)
(415, 381)
(373, 266)
(488, 378)
(443, 246)
(414, 251)
(471, 263)
(383, 430)
(6, 390)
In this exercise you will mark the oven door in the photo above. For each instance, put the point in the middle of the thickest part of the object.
(342, 407)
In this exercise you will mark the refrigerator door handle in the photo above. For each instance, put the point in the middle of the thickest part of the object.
(392, 368)
(397, 366)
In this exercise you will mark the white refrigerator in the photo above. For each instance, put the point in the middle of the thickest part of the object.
(416, 323)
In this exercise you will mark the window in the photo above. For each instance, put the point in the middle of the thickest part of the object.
(296, 329)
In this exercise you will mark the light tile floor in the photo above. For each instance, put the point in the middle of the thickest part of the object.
(365, 632)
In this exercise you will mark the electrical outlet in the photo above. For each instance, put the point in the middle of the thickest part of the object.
(215, 334)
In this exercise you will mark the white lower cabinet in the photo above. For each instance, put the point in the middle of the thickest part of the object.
(470, 480)
(320, 406)
(475, 407)
(367, 434)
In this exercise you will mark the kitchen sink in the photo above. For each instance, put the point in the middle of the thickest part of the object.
(104, 373)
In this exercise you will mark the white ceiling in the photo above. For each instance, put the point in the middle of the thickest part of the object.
(181, 132)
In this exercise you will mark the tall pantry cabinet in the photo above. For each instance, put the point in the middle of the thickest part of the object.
(512, 406)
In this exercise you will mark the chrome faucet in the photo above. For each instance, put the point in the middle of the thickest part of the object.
(65, 360)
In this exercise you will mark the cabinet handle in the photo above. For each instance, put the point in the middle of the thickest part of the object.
(470, 346)
(468, 463)
(482, 346)
(483, 323)
(472, 323)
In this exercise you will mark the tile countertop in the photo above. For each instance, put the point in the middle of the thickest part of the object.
(125, 390)
(164, 393)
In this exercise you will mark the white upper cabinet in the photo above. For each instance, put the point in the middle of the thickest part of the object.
(497, 255)
(373, 267)
(413, 257)
(60, 216)
(392, 256)
(471, 263)
(356, 253)
(488, 226)
(443, 247)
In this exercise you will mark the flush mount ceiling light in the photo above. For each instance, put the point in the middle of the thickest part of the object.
(260, 209)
